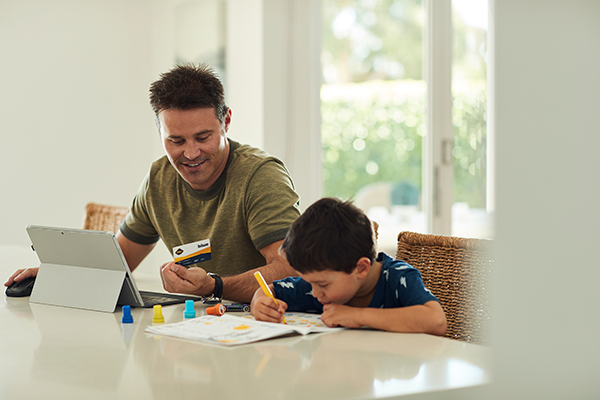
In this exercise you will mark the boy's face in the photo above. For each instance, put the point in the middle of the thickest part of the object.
(333, 286)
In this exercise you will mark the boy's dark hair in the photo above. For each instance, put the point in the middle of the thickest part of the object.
(331, 235)
(188, 86)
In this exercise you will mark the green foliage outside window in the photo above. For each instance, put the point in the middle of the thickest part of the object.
(469, 118)
(368, 138)
(372, 138)
(373, 105)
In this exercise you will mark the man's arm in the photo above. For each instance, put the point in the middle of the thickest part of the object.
(426, 318)
(242, 287)
(134, 253)
(178, 279)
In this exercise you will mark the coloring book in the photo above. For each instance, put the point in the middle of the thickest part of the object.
(229, 330)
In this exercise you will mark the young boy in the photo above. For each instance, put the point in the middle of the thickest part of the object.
(332, 247)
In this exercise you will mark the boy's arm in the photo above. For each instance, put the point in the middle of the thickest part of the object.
(426, 318)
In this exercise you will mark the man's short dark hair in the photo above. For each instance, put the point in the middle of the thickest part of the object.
(330, 235)
(188, 86)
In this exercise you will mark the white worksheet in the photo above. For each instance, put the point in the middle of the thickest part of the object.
(231, 330)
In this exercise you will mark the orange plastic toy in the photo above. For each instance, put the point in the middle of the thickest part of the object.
(217, 309)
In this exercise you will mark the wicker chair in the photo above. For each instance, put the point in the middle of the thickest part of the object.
(100, 217)
(457, 271)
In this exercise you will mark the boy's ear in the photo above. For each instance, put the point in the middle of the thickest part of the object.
(363, 266)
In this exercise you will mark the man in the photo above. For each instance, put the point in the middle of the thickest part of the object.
(234, 201)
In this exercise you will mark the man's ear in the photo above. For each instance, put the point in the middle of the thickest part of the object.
(227, 121)
(363, 266)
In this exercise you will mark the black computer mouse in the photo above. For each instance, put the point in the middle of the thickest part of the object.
(21, 289)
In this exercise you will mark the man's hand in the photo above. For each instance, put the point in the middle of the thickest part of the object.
(21, 274)
(340, 315)
(264, 308)
(178, 279)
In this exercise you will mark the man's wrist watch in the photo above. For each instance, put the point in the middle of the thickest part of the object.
(218, 292)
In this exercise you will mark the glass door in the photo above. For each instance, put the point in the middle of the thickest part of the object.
(373, 110)
(374, 122)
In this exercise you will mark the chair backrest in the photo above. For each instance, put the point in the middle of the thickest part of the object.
(457, 271)
(99, 217)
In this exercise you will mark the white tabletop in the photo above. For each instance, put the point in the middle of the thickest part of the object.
(56, 352)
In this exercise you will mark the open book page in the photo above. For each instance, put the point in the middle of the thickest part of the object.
(231, 330)
(304, 320)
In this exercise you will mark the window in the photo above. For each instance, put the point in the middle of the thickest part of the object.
(472, 205)
(375, 102)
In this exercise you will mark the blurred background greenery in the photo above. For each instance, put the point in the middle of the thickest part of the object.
(373, 99)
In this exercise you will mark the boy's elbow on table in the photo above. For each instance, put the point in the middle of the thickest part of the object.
(439, 323)
(439, 327)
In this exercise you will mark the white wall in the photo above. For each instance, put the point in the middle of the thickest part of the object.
(244, 64)
(76, 125)
(274, 81)
(546, 327)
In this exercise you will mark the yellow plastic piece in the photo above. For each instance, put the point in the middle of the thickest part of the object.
(158, 317)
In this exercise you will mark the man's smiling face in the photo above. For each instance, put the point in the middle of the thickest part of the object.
(195, 143)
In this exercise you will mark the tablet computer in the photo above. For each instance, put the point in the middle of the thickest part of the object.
(86, 269)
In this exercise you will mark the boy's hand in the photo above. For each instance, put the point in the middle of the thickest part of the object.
(339, 315)
(264, 308)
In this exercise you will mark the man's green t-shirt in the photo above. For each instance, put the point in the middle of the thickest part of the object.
(251, 205)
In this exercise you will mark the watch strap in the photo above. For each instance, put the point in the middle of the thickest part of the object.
(218, 292)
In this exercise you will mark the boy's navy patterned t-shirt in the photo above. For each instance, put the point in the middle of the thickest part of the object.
(399, 285)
